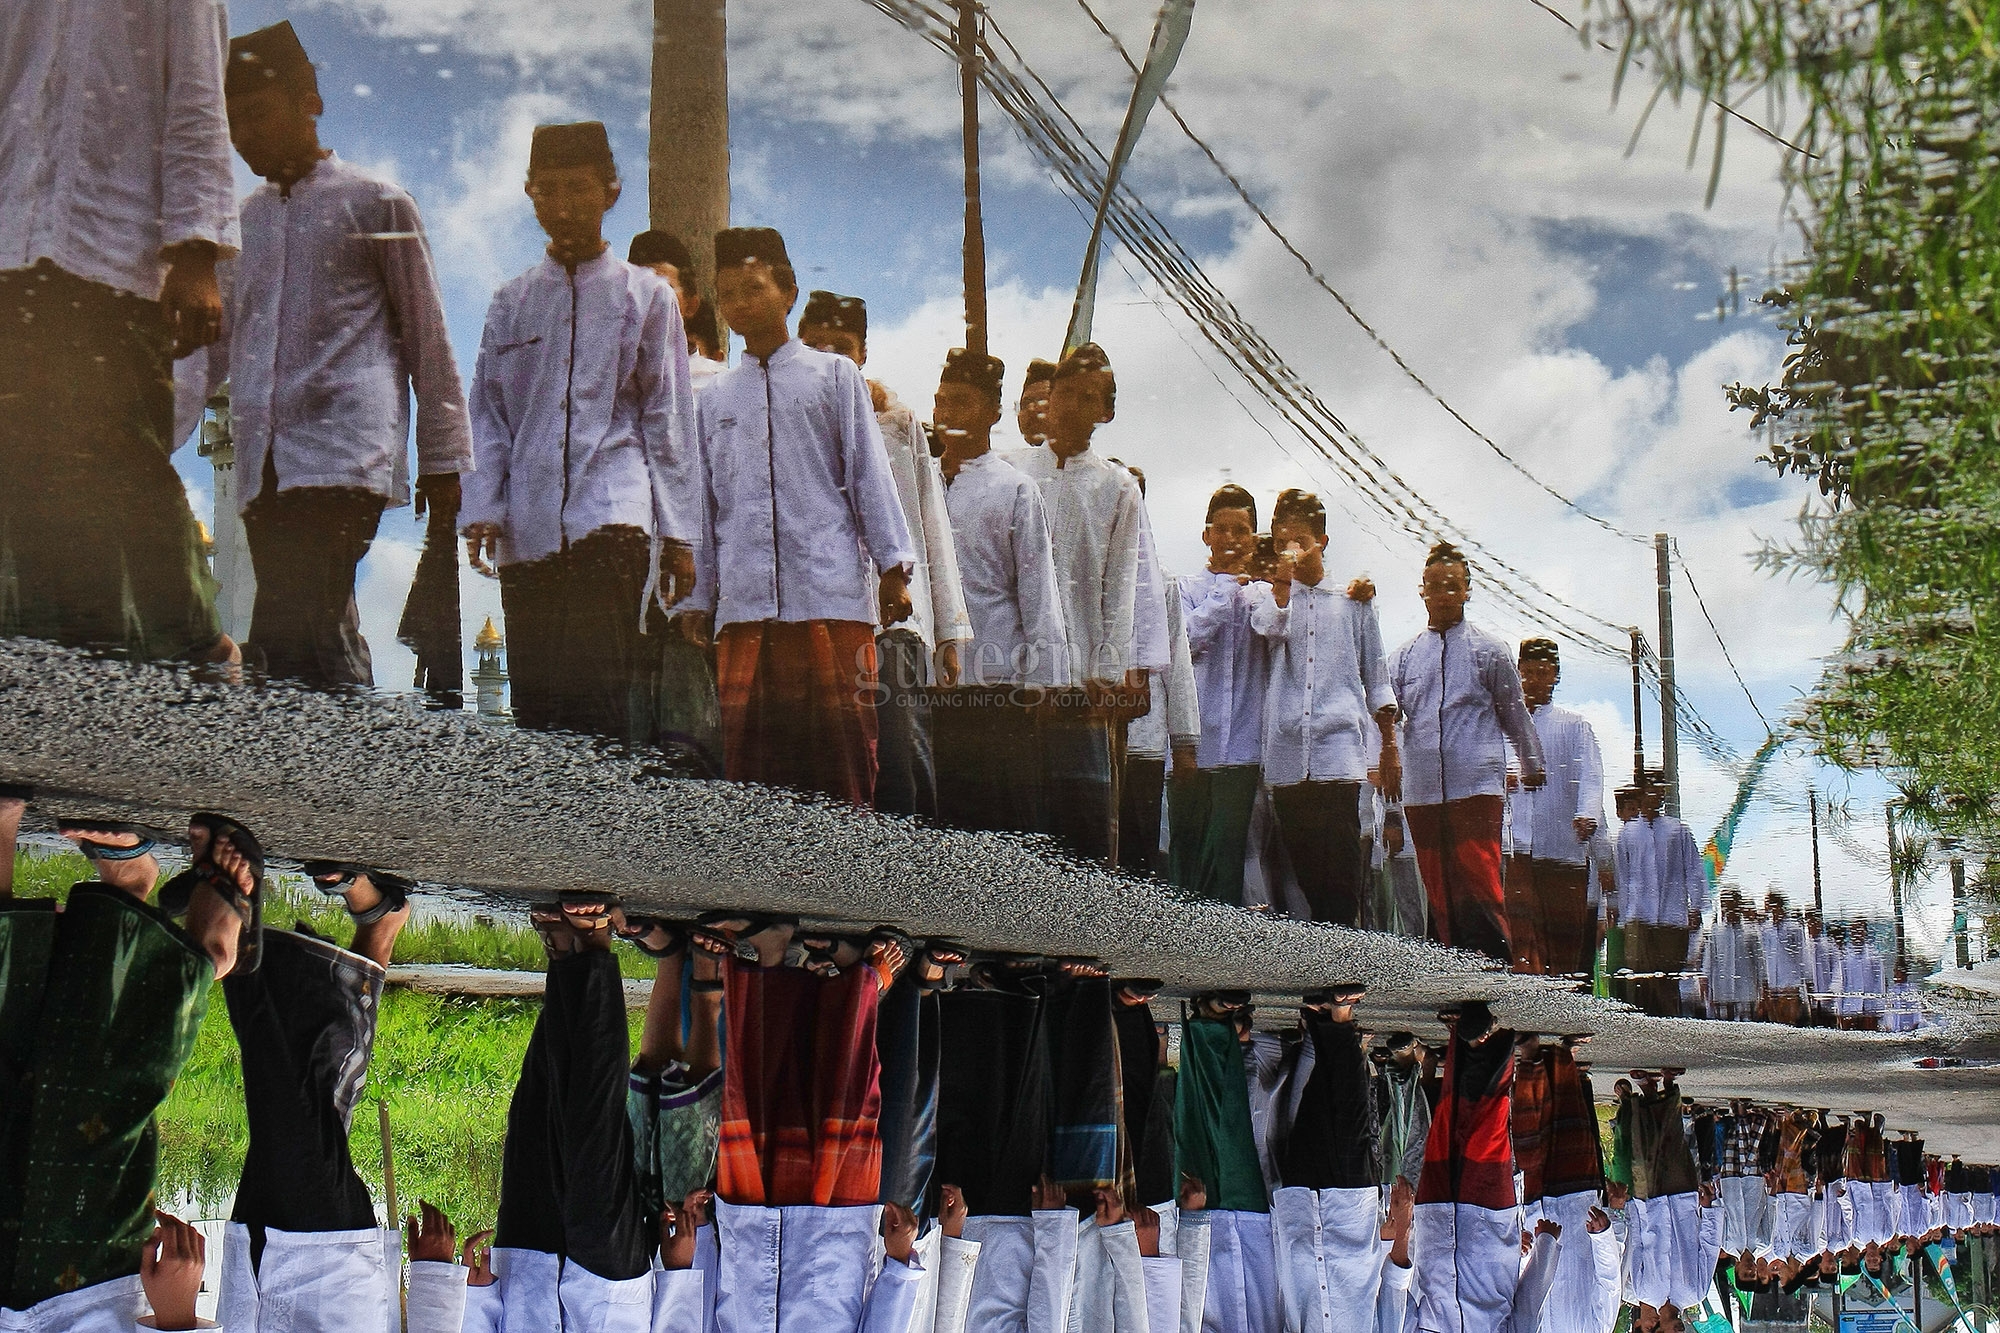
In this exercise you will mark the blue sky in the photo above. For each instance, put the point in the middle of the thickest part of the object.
(1458, 172)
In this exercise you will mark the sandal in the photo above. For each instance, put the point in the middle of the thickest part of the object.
(570, 901)
(76, 830)
(636, 930)
(827, 956)
(707, 931)
(177, 893)
(888, 952)
(395, 889)
(947, 959)
(561, 936)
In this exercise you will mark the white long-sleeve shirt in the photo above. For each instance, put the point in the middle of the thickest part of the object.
(1784, 954)
(1110, 1295)
(1732, 963)
(792, 1269)
(334, 316)
(1327, 681)
(1008, 571)
(1231, 668)
(1660, 877)
(114, 143)
(582, 413)
(937, 598)
(118, 1306)
(1242, 1280)
(1671, 1246)
(1543, 818)
(1096, 529)
(1469, 1273)
(1175, 716)
(1184, 1248)
(1026, 1272)
(944, 1290)
(802, 500)
(1334, 1272)
(1461, 702)
(1152, 644)
(1589, 1279)
(536, 1292)
(334, 1282)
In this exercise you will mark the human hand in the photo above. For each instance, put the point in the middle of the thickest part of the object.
(1586, 829)
(1597, 1222)
(947, 663)
(170, 1268)
(1184, 761)
(676, 571)
(1706, 1195)
(1194, 1195)
(1402, 1209)
(1147, 1223)
(1361, 590)
(1513, 782)
(1550, 1228)
(482, 548)
(439, 494)
(952, 1211)
(1391, 766)
(899, 1231)
(678, 1227)
(190, 298)
(433, 1239)
(477, 1256)
(893, 596)
(1049, 1196)
(1110, 1207)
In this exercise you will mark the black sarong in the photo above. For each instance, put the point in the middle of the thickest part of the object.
(1332, 1143)
(994, 1100)
(306, 545)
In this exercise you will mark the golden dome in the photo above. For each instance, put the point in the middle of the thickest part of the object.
(488, 638)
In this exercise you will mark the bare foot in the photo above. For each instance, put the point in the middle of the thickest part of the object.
(215, 926)
(11, 810)
(135, 876)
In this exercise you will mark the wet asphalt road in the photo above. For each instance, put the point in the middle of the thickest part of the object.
(514, 815)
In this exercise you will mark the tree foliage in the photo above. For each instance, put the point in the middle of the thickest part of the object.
(1890, 397)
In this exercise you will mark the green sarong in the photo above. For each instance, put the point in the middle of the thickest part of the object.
(1212, 1119)
(676, 1132)
(89, 1060)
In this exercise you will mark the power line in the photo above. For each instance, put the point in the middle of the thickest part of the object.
(1688, 574)
(1319, 280)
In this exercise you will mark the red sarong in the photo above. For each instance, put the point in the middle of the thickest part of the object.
(798, 705)
(801, 1090)
(1469, 1156)
(1458, 855)
(1575, 1160)
(1533, 1112)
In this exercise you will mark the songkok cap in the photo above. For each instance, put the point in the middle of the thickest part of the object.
(739, 245)
(1398, 1040)
(659, 247)
(1039, 372)
(1444, 553)
(265, 57)
(1085, 359)
(582, 143)
(983, 373)
(831, 310)
(1540, 650)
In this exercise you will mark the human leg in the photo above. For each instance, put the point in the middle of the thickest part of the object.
(1306, 822)
(906, 781)
(1139, 800)
(1524, 911)
(1335, 1128)
(1077, 785)
(994, 1098)
(306, 545)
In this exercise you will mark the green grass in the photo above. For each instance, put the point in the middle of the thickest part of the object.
(445, 1067)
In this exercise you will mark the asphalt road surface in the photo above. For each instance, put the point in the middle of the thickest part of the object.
(514, 815)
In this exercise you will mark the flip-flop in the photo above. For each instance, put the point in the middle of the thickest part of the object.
(177, 893)
(706, 931)
(951, 960)
(638, 927)
(149, 838)
(395, 889)
(588, 923)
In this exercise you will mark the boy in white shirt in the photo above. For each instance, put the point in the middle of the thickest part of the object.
(588, 492)
(667, 255)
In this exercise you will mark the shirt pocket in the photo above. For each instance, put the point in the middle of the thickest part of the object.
(501, 349)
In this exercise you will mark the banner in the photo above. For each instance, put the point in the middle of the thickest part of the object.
(1716, 854)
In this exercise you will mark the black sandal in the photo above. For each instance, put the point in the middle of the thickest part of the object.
(588, 923)
(707, 934)
(177, 893)
(395, 889)
(16, 791)
(949, 959)
(638, 927)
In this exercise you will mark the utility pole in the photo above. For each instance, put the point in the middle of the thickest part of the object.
(1895, 879)
(1960, 926)
(975, 227)
(1812, 798)
(1638, 715)
(1670, 761)
(687, 182)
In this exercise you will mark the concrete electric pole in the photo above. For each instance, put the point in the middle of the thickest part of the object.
(687, 184)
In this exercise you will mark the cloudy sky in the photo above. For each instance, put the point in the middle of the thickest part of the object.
(1457, 171)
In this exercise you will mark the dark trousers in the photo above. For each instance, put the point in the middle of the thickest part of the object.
(305, 1024)
(98, 548)
(1146, 1095)
(1210, 819)
(1321, 825)
(305, 546)
(995, 1100)
(568, 1183)
(99, 1007)
(1333, 1137)
(989, 762)
(1077, 791)
(906, 1043)
(574, 652)
(1139, 815)
(1548, 911)
(906, 776)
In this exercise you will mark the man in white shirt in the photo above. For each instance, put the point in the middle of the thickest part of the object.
(1822, 970)
(588, 493)
(1328, 690)
(1461, 702)
(667, 255)
(1211, 806)
(102, 1003)
(302, 1251)
(334, 317)
(1784, 940)
(1031, 412)
(924, 649)
(1165, 739)
(989, 752)
(1548, 872)
(811, 551)
(116, 201)
(1097, 530)
(1562, 1179)
(1662, 895)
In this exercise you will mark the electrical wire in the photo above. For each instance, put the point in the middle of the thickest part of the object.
(1688, 574)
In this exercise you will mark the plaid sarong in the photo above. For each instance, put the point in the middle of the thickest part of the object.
(676, 1128)
(1575, 1151)
(1742, 1136)
(1531, 1123)
(798, 705)
(801, 1092)
(1469, 1157)
(1796, 1141)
